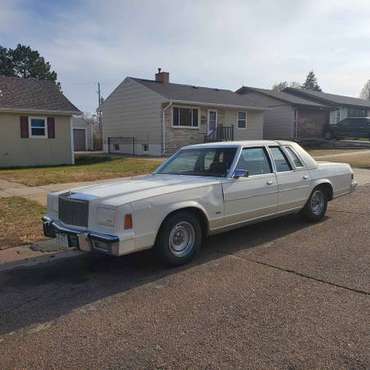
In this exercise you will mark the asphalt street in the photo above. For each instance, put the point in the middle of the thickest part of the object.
(282, 294)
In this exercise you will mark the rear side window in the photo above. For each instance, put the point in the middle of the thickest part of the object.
(255, 161)
(281, 161)
(294, 156)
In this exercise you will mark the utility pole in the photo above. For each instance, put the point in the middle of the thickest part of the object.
(99, 115)
(99, 96)
(99, 102)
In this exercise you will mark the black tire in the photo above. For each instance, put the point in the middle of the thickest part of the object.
(316, 206)
(171, 245)
(328, 135)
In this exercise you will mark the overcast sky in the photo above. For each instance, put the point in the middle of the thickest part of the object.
(213, 43)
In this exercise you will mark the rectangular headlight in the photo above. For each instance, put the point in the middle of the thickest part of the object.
(105, 216)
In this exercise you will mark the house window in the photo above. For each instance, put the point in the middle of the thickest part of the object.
(357, 112)
(337, 118)
(185, 117)
(242, 119)
(37, 127)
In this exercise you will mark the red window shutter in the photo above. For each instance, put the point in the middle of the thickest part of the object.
(51, 127)
(24, 126)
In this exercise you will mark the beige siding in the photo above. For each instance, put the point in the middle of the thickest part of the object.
(254, 129)
(177, 137)
(16, 151)
(279, 123)
(133, 110)
(278, 118)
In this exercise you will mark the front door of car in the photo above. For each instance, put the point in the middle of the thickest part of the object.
(254, 196)
(292, 177)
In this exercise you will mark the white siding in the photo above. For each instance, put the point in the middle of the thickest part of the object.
(133, 110)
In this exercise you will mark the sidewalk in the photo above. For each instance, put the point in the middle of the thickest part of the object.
(39, 193)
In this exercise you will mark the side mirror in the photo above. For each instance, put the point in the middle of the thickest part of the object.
(240, 173)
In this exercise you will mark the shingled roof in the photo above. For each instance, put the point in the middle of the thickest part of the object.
(198, 94)
(282, 96)
(326, 98)
(30, 94)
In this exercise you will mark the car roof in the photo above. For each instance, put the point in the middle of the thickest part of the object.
(244, 143)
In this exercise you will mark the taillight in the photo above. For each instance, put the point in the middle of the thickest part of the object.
(352, 176)
(128, 224)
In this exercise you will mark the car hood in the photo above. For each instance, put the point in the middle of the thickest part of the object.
(124, 191)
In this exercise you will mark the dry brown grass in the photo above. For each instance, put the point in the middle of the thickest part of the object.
(355, 160)
(85, 169)
(20, 222)
(320, 152)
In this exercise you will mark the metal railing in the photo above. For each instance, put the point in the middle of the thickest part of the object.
(221, 133)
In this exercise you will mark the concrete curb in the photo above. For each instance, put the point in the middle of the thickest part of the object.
(33, 261)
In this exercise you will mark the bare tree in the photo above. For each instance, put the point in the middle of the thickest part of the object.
(365, 92)
(284, 84)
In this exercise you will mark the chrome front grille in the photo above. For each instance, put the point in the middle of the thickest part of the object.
(73, 211)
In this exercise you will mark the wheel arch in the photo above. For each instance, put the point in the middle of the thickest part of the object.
(193, 207)
(326, 185)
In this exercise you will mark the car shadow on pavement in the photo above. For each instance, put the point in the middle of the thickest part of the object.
(44, 292)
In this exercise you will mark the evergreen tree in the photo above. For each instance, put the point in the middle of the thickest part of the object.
(311, 82)
(24, 62)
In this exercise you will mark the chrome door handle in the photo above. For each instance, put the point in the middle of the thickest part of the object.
(269, 182)
(305, 177)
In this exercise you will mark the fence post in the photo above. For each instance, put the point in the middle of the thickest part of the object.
(133, 145)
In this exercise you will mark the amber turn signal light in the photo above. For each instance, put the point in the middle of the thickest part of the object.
(128, 224)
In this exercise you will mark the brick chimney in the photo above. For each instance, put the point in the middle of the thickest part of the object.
(162, 77)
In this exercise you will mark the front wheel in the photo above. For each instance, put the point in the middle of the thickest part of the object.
(316, 205)
(179, 238)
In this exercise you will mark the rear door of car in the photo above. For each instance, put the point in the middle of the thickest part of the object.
(292, 177)
(255, 195)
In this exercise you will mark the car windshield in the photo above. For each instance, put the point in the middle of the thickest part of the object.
(200, 162)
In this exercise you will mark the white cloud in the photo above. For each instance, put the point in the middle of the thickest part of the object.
(215, 43)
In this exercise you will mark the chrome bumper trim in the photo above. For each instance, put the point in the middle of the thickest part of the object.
(51, 227)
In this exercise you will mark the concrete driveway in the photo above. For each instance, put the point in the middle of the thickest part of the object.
(282, 294)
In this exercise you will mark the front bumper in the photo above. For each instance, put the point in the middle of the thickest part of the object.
(84, 240)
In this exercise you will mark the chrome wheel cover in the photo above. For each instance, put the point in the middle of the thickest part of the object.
(317, 202)
(182, 238)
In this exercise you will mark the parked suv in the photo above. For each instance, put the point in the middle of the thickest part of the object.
(350, 127)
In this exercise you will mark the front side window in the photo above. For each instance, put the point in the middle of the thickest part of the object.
(200, 162)
(281, 161)
(294, 156)
(185, 117)
(37, 127)
(255, 161)
(242, 119)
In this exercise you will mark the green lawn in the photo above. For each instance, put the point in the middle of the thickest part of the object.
(20, 222)
(87, 168)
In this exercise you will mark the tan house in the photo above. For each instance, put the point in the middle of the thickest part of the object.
(157, 117)
(35, 123)
(288, 116)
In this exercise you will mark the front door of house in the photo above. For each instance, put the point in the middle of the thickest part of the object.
(212, 121)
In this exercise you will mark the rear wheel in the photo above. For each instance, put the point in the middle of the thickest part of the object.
(316, 205)
(179, 238)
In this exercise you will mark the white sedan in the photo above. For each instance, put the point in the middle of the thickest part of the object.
(201, 190)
